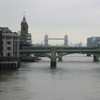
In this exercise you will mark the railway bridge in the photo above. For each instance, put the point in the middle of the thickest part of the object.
(54, 52)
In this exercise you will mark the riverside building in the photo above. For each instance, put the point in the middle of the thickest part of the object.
(9, 49)
(93, 42)
(25, 37)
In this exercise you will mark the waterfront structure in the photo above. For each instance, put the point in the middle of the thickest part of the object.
(57, 52)
(93, 42)
(25, 37)
(9, 49)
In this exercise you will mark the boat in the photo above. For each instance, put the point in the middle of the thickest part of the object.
(29, 59)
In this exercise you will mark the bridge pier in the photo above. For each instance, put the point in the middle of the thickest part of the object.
(95, 58)
(60, 59)
(53, 59)
(88, 55)
(53, 64)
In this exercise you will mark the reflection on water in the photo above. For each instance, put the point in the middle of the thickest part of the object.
(76, 78)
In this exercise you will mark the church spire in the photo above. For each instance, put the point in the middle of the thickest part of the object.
(24, 29)
(24, 21)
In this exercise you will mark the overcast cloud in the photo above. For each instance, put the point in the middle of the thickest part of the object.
(78, 19)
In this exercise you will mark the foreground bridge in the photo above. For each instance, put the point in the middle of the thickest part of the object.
(57, 52)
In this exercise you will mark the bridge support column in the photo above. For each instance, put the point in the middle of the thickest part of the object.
(60, 59)
(95, 58)
(53, 64)
(53, 59)
(88, 55)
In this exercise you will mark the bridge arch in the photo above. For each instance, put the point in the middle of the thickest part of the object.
(64, 54)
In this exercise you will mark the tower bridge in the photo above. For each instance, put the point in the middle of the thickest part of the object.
(57, 52)
(46, 39)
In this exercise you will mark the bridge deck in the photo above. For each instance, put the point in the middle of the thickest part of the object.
(60, 50)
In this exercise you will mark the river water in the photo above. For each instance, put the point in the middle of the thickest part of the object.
(76, 78)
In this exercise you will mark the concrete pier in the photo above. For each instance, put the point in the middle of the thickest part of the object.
(53, 59)
(95, 58)
(60, 59)
(88, 55)
(9, 66)
(9, 63)
(53, 64)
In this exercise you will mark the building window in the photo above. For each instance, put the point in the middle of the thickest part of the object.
(8, 42)
(8, 48)
(23, 28)
(1, 54)
(7, 37)
(8, 54)
(15, 53)
(15, 38)
(3, 37)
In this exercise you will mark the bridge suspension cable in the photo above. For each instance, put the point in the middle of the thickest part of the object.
(46, 38)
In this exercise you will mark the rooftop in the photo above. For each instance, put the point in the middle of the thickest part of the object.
(5, 30)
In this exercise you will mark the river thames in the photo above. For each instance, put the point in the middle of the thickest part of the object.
(76, 78)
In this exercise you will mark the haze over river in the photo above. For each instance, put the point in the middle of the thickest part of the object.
(76, 78)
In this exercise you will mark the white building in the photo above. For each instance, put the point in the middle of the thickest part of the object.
(10, 46)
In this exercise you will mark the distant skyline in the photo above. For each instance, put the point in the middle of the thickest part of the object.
(79, 19)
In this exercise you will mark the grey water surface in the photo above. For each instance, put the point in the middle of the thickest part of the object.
(76, 78)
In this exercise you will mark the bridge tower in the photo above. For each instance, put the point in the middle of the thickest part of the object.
(66, 40)
(46, 40)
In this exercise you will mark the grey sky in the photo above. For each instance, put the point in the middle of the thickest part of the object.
(78, 19)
